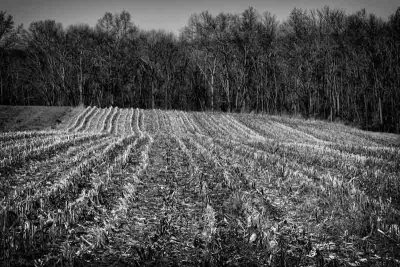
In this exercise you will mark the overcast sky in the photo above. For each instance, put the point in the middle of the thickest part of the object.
(171, 15)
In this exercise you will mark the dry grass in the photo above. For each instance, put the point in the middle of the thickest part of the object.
(26, 118)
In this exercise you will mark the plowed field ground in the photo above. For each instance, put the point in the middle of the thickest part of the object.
(138, 187)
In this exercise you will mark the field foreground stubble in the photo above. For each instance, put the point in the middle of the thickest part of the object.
(135, 187)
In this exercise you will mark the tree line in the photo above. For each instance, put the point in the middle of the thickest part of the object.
(317, 63)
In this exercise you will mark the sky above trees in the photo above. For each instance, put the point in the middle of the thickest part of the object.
(171, 15)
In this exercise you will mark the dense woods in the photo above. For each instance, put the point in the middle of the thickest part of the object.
(317, 63)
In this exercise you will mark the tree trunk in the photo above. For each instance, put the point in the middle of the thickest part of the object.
(380, 111)
(276, 93)
(80, 94)
(1, 89)
(152, 95)
(80, 81)
(257, 97)
(338, 105)
(365, 110)
(166, 97)
(212, 83)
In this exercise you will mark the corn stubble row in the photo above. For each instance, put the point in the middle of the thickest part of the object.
(131, 186)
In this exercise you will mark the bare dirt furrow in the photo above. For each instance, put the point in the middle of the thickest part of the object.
(107, 122)
(12, 137)
(54, 203)
(76, 168)
(9, 165)
(75, 123)
(102, 120)
(92, 124)
(135, 123)
(31, 142)
(127, 123)
(12, 149)
(86, 120)
(112, 198)
(313, 190)
(151, 121)
(120, 129)
(163, 211)
(116, 128)
(233, 213)
(368, 173)
(112, 125)
(134, 187)
(42, 174)
(203, 124)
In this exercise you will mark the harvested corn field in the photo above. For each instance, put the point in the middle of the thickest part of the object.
(139, 187)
